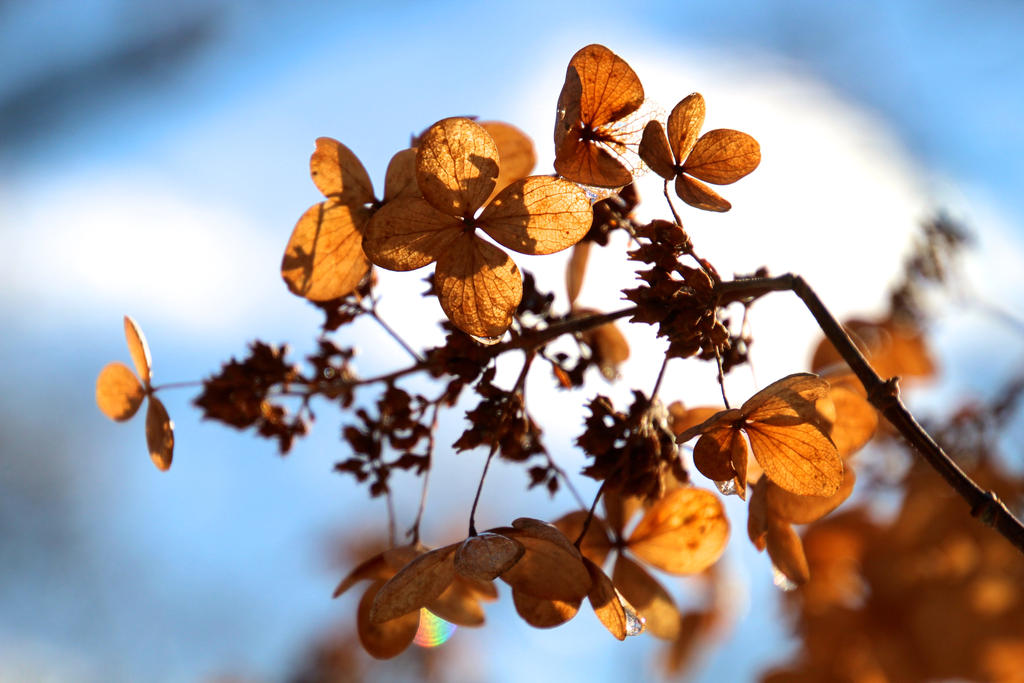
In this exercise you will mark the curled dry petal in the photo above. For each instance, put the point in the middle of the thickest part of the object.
(712, 456)
(387, 639)
(409, 233)
(682, 533)
(544, 612)
(787, 551)
(338, 173)
(478, 286)
(416, 585)
(139, 350)
(324, 258)
(587, 163)
(400, 178)
(648, 597)
(487, 556)
(456, 166)
(683, 418)
(551, 568)
(723, 156)
(118, 391)
(655, 152)
(700, 196)
(538, 215)
(796, 509)
(159, 434)
(684, 124)
(606, 602)
(516, 157)
(757, 514)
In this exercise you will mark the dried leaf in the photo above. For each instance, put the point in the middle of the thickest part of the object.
(139, 350)
(375, 568)
(487, 556)
(684, 124)
(516, 157)
(324, 257)
(648, 596)
(416, 585)
(542, 612)
(787, 551)
(538, 215)
(655, 152)
(551, 568)
(796, 509)
(456, 166)
(791, 396)
(159, 434)
(684, 532)
(338, 173)
(478, 286)
(118, 392)
(384, 640)
(723, 156)
(576, 270)
(409, 233)
(400, 178)
(458, 604)
(700, 196)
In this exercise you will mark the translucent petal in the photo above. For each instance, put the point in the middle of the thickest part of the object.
(409, 233)
(684, 124)
(400, 180)
(478, 286)
(159, 434)
(139, 350)
(655, 152)
(324, 257)
(456, 166)
(538, 215)
(699, 195)
(118, 392)
(684, 532)
(723, 156)
(338, 173)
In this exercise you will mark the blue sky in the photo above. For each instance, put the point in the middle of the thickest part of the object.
(153, 159)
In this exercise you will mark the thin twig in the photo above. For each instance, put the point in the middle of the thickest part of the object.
(661, 375)
(178, 385)
(415, 531)
(479, 488)
(394, 335)
(884, 395)
(590, 515)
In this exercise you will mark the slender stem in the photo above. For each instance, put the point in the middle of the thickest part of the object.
(178, 385)
(884, 395)
(661, 375)
(392, 534)
(415, 531)
(394, 335)
(590, 515)
(479, 488)
(721, 379)
(671, 206)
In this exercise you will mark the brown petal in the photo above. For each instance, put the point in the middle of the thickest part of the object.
(478, 286)
(609, 346)
(373, 568)
(712, 456)
(757, 513)
(159, 434)
(338, 174)
(595, 544)
(609, 88)
(408, 233)
(118, 391)
(798, 457)
(619, 510)
(384, 640)
(576, 270)
(487, 556)
(400, 179)
(683, 418)
(791, 396)
(796, 509)
(655, 152)
(456, 166)
(458, 604)
(787, 551)
(538, 215)
(723, 156)
(543, 612)
(516, 157)
(139, 350)
(721, 417)
(324, 258)
(397, 558)
(551, 568)
(699, 195)
(651, 600)
(605, 601)
(589, 163)
(854, 420)
(483, 590)
(417, 584)
(683, 533)
(684, 124)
